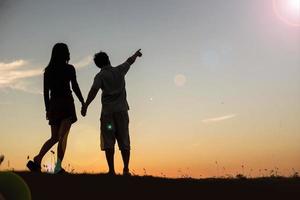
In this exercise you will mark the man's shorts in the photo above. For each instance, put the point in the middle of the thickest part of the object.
(114, 126)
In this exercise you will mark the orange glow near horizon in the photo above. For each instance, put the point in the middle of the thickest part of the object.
(210, 157)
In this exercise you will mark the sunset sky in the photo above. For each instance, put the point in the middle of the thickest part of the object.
(217, 88)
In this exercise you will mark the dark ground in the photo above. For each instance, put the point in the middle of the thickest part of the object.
(97, 186)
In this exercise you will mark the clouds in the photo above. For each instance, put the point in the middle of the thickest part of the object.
(217, 119)
(14, 73)
(84, 62)
(12, 65)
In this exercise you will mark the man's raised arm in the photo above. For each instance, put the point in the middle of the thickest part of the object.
(132, 59)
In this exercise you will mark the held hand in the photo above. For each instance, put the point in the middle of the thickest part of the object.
(138, 53)
(83, 110)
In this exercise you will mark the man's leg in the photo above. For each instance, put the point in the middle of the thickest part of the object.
(109, 153)
(108, 140)
(125, 157)
(122, 136)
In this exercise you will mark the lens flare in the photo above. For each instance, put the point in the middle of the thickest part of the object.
(288, 11)
(180, 80)
(109, 127)
(294, 5)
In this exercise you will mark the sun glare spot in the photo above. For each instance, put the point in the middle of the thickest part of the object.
(294, 5)
(179, 80)
(288, 11)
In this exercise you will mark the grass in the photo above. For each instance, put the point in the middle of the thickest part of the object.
(270, 185)
(100, 186)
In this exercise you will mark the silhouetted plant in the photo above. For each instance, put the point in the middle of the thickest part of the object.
(266, 172)
(276, 171)
(52, 160)
(183, 174)
(145, 172)
(250, 173)
(46, 167)
(240, 176)
(229, 175)
(179, 172)
(272, 174)
(1, 159)
(217, 165)
(260, 172)
(163, 175)
(295, 173)
(133, 172)
(186, 176)
(224, 170)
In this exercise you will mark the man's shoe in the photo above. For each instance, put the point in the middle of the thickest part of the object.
(110, 173)
(126, 173)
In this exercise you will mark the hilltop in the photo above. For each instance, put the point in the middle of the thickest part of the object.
(100, 186)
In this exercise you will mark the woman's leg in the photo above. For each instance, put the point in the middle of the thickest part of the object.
(48, 144)
(62, 142)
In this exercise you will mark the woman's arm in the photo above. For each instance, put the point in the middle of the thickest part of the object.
(97, 84)
(46, 93)
(75, 87)
(91, 96)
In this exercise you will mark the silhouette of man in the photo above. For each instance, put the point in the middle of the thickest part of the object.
(114, 115)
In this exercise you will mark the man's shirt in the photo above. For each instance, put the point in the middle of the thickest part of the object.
(111, 80)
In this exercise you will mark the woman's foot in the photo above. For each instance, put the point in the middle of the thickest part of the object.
(58, 168)
(61, 171)
(33, 166)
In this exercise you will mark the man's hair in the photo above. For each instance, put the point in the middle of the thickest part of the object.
(101, 59)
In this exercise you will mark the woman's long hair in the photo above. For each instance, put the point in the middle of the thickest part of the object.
(60, 55)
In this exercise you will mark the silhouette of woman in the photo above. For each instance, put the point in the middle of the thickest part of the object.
(60, 108)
